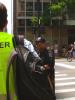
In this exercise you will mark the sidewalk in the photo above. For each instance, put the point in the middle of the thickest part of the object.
(63, 60)
(60, 59)
(73, 98)
(65, 67)
(64, 63)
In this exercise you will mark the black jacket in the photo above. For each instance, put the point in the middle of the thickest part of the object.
(44, 55)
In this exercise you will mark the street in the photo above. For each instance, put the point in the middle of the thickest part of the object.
(65, 79)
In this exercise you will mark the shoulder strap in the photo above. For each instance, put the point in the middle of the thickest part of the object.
(11, 61)
(23, 54)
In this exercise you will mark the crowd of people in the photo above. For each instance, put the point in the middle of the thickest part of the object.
(63, 50)
(43, 52)
(6, 47)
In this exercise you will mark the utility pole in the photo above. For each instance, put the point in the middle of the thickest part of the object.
(25, 20)
(38, 12)
(51, 23)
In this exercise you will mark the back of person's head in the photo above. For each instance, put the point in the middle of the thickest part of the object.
(18, 40)
(3, 16)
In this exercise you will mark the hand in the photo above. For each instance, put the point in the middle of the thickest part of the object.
(46, 67)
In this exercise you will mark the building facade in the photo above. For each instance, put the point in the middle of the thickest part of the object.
(25, 9)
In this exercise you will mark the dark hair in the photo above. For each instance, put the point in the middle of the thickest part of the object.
(3, 15)
(18, 40)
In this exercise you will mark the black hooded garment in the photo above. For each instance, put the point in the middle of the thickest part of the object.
(30, 85)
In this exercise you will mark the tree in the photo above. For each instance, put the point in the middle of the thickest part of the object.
(34, 20)
(70, 7)
(69, 3)
(57, 8)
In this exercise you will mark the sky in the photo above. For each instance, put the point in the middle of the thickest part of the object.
(9, 5)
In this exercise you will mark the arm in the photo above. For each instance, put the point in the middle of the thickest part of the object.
(30, 47)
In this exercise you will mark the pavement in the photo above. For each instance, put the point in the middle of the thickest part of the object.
(73, 98)
(64, 61)
(68, 65)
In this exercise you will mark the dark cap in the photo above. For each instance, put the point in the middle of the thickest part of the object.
(40, 39)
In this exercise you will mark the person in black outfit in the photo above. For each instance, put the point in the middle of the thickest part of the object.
(48, 62)
(43, 52)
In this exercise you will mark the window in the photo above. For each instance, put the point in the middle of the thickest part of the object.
(29, 6)
(28, 22)
(38, 6)
(45, 6)
(21, 22)
(20, 30)
(22, 3)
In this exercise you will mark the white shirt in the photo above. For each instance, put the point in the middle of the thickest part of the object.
(30, 47)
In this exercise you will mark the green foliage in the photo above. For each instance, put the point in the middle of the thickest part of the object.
(34, 20)
(46, 17)
(69, 3)
(52, 10)
(57, 8)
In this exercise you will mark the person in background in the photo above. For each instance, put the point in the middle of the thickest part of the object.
(46, 59)
(21, 40)
(73, 50)
(30, 47)
(43, 52)
(70, 50)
